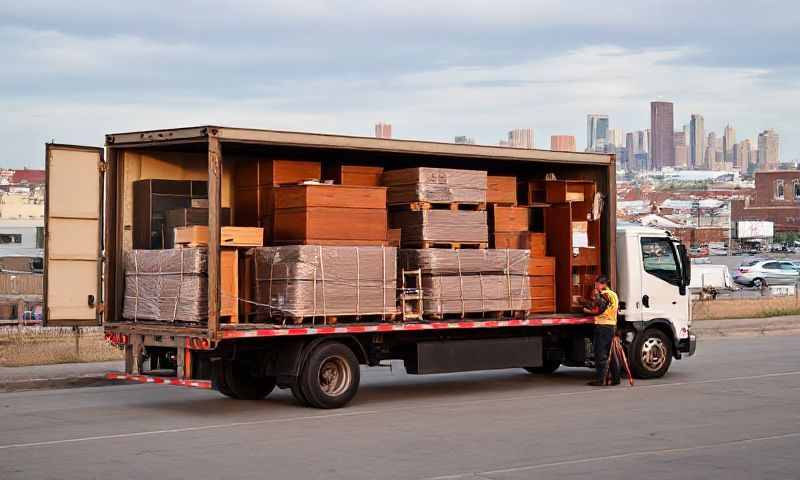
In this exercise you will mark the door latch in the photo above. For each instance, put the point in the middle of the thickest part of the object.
(90, 301)
(646, 301)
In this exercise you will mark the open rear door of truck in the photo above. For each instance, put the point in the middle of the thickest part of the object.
(73, 227)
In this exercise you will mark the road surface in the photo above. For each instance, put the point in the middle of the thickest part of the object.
(732, 412)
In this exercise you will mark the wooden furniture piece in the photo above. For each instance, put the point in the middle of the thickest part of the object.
(541, 277)
(501, 190)
(183, 217)
(353, 174)
(324, 214)
(197, 236)
(255, 182)
(152, 198)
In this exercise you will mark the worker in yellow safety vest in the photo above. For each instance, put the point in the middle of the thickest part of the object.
(606, 307)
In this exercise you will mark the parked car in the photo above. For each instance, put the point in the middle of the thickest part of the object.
(759, 273)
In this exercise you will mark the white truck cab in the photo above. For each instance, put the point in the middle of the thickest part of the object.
(653, 276)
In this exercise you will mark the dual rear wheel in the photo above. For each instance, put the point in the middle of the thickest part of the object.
(328, 378)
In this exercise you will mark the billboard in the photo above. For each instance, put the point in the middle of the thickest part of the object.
(753, 229)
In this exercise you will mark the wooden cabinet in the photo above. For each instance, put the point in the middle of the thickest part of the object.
(152, 198)
(501, 190)
(353, 174)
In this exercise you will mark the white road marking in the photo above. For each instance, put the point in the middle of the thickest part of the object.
(642, 453)
(438, 405)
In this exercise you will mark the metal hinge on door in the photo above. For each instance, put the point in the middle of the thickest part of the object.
(101, 166)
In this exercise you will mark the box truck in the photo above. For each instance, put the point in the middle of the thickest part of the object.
(93, 220)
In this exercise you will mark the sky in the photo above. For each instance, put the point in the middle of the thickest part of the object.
(74, 71)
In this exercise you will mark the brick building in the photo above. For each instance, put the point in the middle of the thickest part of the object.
(776, 199)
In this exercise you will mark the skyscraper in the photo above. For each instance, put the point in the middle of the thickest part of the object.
(383, 130)
(768, 150)
(464, 140)
(562, 143)
(615, 137)
(596, 132)
(728, 141)
(662, 127)
(630, 150)
(696, 141)
(741, 155)
(520, 138)
(710, 155)
(681, 149)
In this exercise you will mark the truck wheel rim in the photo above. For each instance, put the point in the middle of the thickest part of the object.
(334, 376)
(654, 354)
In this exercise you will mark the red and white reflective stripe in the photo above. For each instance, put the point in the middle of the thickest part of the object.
(159, 380)
(405, 327)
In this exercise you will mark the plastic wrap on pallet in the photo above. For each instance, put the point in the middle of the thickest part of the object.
(441, 226)
(442, 261)
(298, 281)
(447, 294)
(426, 184)
(166, 285)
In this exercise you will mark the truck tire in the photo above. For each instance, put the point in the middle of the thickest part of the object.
(297, 393)
(218, 371)
(549, 365)
(330, 376)
(243, 385)
(651, 355)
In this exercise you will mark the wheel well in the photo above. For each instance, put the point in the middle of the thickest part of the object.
(662, 325)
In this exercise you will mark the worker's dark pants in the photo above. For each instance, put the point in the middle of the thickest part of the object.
(603, 334)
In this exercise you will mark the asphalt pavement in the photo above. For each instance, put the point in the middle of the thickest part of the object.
(732, 411)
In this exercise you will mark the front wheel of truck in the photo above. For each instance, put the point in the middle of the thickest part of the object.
(330, 376)
(651, 355)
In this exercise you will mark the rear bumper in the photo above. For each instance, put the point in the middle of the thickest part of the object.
(180, 382)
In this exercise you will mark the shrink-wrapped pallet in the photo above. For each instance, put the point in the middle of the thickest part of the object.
(297, 281)
(447, 294)
(451, 226)
(442, 261)
(166, 285)
(437, 185)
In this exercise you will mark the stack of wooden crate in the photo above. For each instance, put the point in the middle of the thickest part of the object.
(254, 187)
(323, 214)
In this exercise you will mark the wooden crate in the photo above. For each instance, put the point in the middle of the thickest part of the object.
(274, 172)
(356, 175)
(510, 219)
(501, 189)
(321, 195)
(534, 241)
(197, 235)
(541, 266)
(330, 223)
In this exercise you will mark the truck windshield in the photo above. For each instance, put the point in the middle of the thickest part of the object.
(658, 257)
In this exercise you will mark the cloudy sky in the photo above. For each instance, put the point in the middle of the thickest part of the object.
(73, 71)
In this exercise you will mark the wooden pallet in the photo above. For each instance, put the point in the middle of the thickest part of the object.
(454, 206)
(493, 315)
(450, 245)
(337, 319)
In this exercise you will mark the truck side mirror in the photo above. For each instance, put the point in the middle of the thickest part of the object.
(686, 267)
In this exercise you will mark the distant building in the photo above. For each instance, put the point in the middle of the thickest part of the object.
(464, 140)
(615, 137)
(681, 156)
(520, 138)
(562, 143)
(662, 124)
(28, 177)
(741, 156)
(383, 130)
(696, 142)
(710, 155)
(629, 150)
(596, 132)
(641, 161)
(768, 150)
(728, 141)
(776, 199)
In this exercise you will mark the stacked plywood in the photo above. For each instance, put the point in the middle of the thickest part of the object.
(470, 281)
(419, 228)
(166, 285)
(435, 185)
(321, 214)
(297, 282)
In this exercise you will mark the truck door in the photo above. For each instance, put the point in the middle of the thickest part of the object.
(661, 280)
(73, 235)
